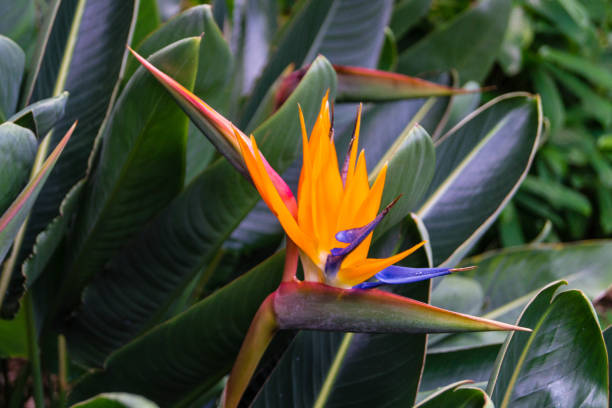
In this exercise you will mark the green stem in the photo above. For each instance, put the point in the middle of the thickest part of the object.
(33, 352)
(262, 330)
(63, 369)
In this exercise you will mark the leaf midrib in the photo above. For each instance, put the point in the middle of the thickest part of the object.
(522, 357)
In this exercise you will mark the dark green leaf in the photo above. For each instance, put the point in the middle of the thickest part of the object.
(411, 154)
(469, 43)
(17, 151)
(593, 104)
(15, 215)
(191, 229)
(570, 17)
(518, 37)
(90, 74)
(387, 60)
(18, 22)
(510, 230)
(254, 28)
(562, 363)
(457, 397)
(406, 14)
(347, 32)
(147, 21)
(200, 344)
(214, 69)
(51, 237)
(510, 277)
(45, 114)
(462, 363)
(607, 335)
(140, 169)
(480, 164)
(604, 199)
(552, 104)
(115, 400)
(13, 337)
(12, 63)
(558, 195)
(597, 74)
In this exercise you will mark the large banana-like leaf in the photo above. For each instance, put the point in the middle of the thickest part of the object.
(254, 26)
(17, 151)
(78, 52)
(214, 68)
(583, 265)
(15, 215)
(151, 272)
(347, 32)
(12, 63)
(468, 43)
(191, 352)
(479, 165)
(562, 363)
(140, 169)
(510, 277)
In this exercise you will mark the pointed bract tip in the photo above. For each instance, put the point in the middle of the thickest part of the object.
(463, 269)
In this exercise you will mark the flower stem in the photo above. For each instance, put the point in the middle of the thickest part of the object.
(262, 330)
(39, 397)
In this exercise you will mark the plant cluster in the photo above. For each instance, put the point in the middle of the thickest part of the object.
(270, 203)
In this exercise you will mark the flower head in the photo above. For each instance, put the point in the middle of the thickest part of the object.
(336, 210)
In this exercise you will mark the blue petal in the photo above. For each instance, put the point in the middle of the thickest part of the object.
(394, 275)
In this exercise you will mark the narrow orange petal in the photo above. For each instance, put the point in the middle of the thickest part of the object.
(354, 147)
(361, 271)
(277, 206)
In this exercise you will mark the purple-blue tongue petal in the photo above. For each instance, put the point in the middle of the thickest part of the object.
(394, 275)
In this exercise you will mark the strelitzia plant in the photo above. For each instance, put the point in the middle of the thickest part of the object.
(330, 226)
(149, 262)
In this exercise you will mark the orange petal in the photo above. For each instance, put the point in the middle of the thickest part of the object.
(364, 270)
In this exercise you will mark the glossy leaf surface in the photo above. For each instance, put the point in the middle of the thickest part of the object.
(479, 165)
(562, 363)
(342, 30)
(214, 69)
(473, 363)
(14, 216)
(90, 74)
(17, 150)
(510, 277)
(45, 114)
(12, 64)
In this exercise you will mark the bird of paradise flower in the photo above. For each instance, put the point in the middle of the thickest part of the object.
(330, 228)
